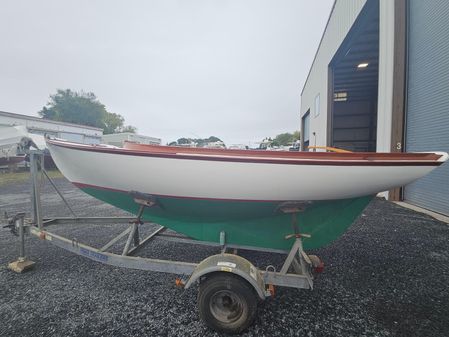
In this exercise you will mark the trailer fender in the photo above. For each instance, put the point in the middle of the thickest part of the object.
(230, 263)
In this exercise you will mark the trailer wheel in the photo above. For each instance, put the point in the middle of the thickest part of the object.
(227, 303)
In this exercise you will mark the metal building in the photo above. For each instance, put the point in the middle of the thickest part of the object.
(35, 125)
(379, 82)
(117, 139)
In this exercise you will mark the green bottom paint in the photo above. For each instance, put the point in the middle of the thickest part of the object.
(256, 224)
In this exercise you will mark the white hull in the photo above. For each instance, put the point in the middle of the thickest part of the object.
(229, 180)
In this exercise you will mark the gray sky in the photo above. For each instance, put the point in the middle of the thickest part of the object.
(185, 68)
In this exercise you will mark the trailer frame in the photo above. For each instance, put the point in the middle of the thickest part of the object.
(297, 270)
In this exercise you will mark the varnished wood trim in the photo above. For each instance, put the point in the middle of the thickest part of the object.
(271, 157)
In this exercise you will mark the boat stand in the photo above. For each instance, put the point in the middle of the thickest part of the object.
(297, 270)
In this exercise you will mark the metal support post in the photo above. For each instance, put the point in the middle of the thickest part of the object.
(22, 263)
(146, 240)
(35, 161)
(115, 240)
(223, 242)
(304, 261)
(291, 256)
(57, 191)
(131, 236)
(136, 238)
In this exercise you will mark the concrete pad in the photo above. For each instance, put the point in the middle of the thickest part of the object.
(435, 215)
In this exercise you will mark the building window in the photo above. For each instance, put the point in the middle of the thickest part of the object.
(317, 105)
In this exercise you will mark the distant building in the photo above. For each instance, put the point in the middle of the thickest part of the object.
(379, 82)
(117, 139)
(39, 126)
(238, 147)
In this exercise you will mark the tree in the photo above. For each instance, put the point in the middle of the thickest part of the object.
(283, 139)
(297, 135)
(200, 142)
(286, 138)
(212, 139)
(183, 140)
(129, 128)
(112, 122)
(85, 109)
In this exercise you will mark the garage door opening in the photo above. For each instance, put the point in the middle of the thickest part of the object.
(353, 85)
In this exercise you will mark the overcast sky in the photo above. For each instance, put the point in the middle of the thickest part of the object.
(186, 68)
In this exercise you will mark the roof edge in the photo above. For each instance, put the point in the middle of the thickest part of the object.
(319, 46)
(34, 118)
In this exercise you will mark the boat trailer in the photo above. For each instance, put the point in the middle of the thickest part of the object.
(229, 285)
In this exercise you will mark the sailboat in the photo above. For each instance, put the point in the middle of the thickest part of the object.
(257, 198)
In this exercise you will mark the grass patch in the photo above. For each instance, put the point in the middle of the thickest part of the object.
(8, 178)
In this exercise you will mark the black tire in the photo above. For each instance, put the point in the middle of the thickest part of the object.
(227, 303)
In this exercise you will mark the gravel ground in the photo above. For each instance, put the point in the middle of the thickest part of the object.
(387, 276)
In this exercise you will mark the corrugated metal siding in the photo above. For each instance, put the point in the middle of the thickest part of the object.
(340, 22)
(428, 98)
